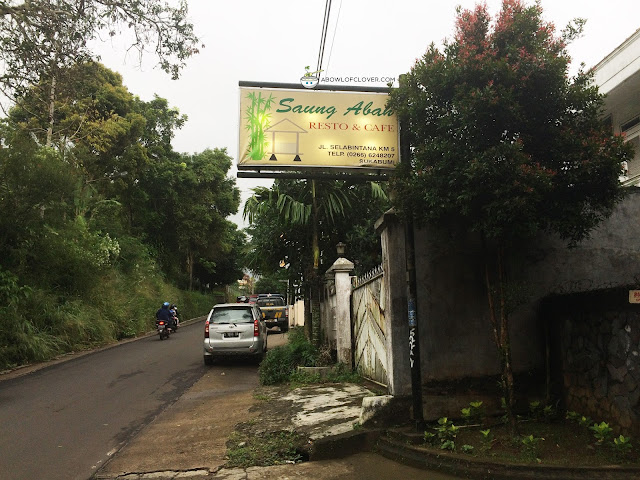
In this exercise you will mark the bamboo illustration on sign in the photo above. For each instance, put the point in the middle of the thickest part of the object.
(258, 120)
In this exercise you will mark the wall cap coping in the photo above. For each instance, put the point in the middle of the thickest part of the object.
(341, 265)
(388, 217)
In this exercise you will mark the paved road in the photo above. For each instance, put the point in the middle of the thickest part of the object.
(64, 421)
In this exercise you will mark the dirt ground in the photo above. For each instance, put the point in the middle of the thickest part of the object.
(560, 443)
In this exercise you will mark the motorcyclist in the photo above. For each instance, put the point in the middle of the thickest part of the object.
(165, 314)
(174, 312)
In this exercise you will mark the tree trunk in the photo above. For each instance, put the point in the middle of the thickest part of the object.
(315, 280)
(190, 269)
(500, 326)
(308, 319)
(52, 100)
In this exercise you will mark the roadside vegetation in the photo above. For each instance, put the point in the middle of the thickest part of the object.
(269, 448)
(281, 363)
(545, 437)
(101, 219)
(506, 147)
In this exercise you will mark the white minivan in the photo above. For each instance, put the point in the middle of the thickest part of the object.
(233, 329)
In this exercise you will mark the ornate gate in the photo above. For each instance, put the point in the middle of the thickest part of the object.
(367, 304)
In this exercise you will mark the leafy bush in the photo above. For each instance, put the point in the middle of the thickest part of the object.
(282, 361)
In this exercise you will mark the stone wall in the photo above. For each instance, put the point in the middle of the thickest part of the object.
(596, 355)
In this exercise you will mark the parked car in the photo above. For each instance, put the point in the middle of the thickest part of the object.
(233, 329)
(253, 297)
(274, 311)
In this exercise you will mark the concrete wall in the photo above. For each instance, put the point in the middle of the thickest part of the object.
(296, 314)
(455, 332)
(391, 232)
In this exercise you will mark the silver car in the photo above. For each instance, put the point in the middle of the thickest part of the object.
(234, 329)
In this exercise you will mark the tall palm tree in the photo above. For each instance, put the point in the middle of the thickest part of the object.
(308, 204)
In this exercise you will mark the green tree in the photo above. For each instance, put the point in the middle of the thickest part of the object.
(301, 217)
(205, 197)
(41, 40)
(505, 144)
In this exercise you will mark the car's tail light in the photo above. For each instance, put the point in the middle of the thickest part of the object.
(161, 323)
(206, 329)
(256, 328)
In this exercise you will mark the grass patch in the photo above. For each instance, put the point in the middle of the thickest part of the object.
(339, 373)
(263, 450)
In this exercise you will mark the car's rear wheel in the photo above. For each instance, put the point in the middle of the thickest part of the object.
(208, 360)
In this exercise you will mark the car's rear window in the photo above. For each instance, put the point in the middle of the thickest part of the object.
(231, 315)
(271, 302)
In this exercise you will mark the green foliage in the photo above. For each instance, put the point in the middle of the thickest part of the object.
(340, 373)
(430, 437)
(530, 444)
(537, 411)
(281, 227)
(474, 413)
(281, 364)
(43, 39)
(602, 432)
(283, 360)
(506, 145)
(446, 430)
(272, 448)
(487, 439)
(448, 445)
(443, 435)
(622, 446)
(467, 449)
(578, 418)
(96, 220)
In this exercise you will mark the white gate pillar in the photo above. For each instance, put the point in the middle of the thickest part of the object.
(342, 269)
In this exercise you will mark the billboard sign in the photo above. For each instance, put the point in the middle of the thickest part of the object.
(298, 128)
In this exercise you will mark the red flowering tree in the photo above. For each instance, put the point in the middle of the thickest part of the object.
(505, 144)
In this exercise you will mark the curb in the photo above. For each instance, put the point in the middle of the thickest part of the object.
(404, 452)
(343, 445)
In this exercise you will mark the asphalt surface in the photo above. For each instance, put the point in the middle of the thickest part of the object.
(64, 421)
(149, 409)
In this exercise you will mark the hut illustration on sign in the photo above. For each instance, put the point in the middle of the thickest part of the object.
(285, 139)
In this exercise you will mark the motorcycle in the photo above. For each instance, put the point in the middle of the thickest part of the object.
(164, 329)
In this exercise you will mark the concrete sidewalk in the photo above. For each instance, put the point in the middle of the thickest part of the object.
(199, 424)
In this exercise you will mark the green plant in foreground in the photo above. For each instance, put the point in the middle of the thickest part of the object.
(530, 444)
(446, 430)
(584, 421)
(448, 445)
(535, 409)
(474, 413)
(622, 445)
(430, 437)
(487, 439)
(263, 450)
(602, 432)
(467, 448)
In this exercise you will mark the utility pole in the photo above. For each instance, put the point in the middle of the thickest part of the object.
(412, 305)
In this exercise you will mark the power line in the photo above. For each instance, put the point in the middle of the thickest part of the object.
(333, 39)
(323, 37)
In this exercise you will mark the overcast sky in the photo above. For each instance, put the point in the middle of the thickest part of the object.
(257, 40)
